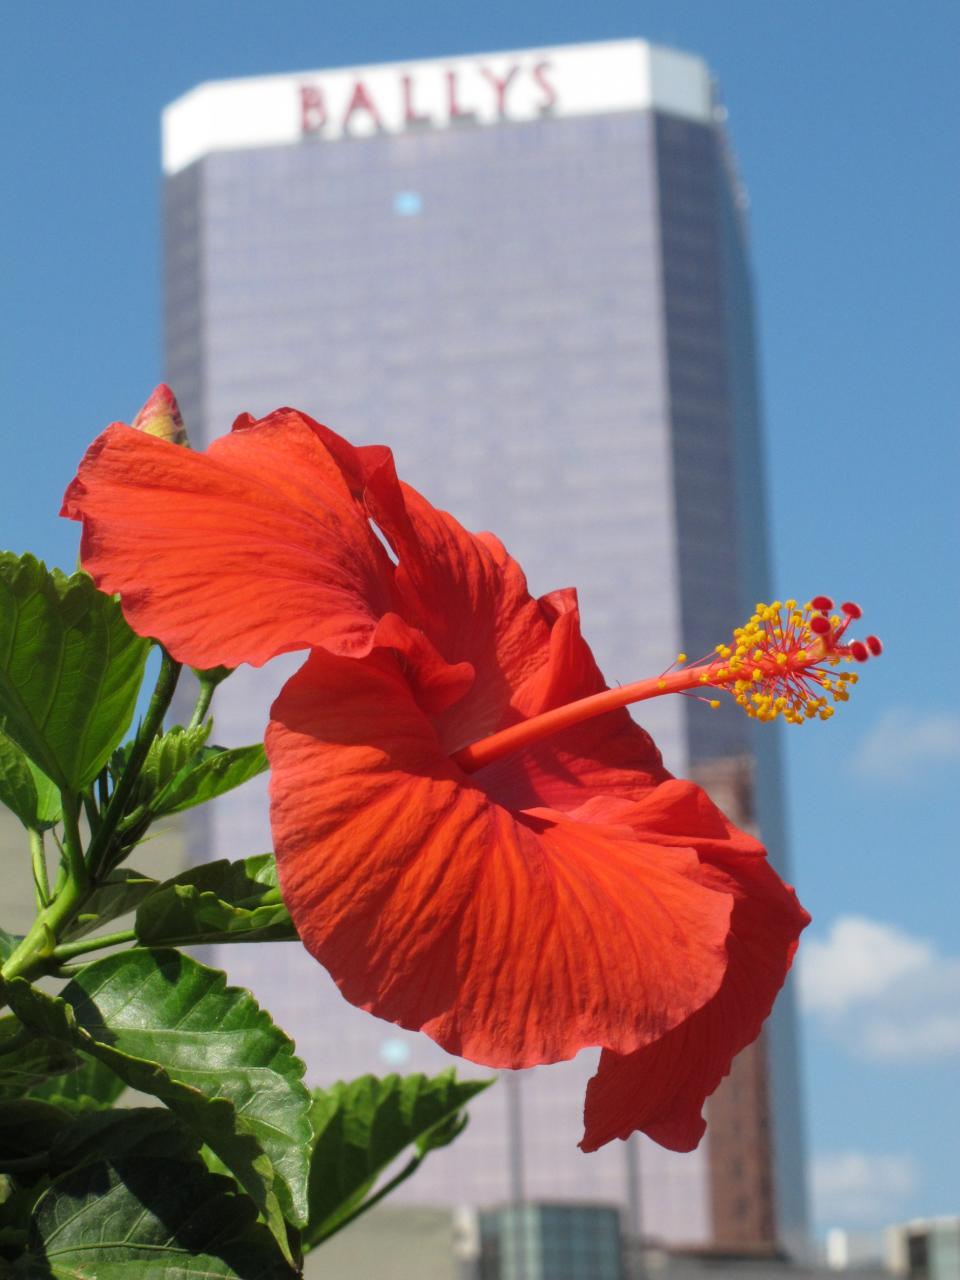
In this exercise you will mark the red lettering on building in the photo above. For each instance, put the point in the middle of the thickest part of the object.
(500, 87)
(411, 117)
(453, 105)
(315, 117)
(360, 100)
(549, 92)
(313, 111)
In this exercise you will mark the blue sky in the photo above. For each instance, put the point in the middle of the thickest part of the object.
(844, 119)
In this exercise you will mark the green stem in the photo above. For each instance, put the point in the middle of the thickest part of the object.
(91, 811)
(73, 842)
(61, 879)
(38, 857)
(33, 954)
(204, 699)
(67, 950)
(208, 684)
(152, 724)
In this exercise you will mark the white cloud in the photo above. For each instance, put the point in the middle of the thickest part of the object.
(859, 959)
(903, 744)
(884, 994)
(935, 1035)
(851, 1186)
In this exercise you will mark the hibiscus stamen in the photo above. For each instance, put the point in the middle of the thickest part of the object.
(782, 663)
(783, 660)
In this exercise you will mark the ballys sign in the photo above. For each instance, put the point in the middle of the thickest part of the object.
(395, 100)
(400, 98)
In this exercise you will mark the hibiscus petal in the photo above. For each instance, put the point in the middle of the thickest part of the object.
(254, 548)
(661, 1088)
(510, 938)
(609, 755)
(469, 595)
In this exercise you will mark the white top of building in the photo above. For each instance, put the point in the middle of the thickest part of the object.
(399, 97)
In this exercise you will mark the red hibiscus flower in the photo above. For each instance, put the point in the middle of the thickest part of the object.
(473, 836)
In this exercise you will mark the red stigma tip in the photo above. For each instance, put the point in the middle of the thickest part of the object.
(851, 610)
(874, 645)
(822, 602)
(819, 624)
(859, 651)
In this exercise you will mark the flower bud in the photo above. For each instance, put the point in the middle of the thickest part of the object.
(160, 416)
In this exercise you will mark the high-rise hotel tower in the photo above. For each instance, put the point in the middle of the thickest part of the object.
(526, 272)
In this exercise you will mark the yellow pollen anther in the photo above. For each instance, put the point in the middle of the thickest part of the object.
(714, 702)
(780, 663)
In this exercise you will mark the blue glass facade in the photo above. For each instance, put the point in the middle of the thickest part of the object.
(549, 323)
(551, 1242)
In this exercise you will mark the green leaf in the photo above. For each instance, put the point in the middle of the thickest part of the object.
(170, 1026)
(26, 1060)
(170, 753)
(364, 1124)
(154, 1219)
(70, 669)
(120, 1133)
(90, 1087)
(9, 943)
(17, 1198)
(49, 807)
(217, 902)
(27, 1130)
(25, 791)
(18, 790)
(43, 1137)
(218, 772)
(119, 892)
